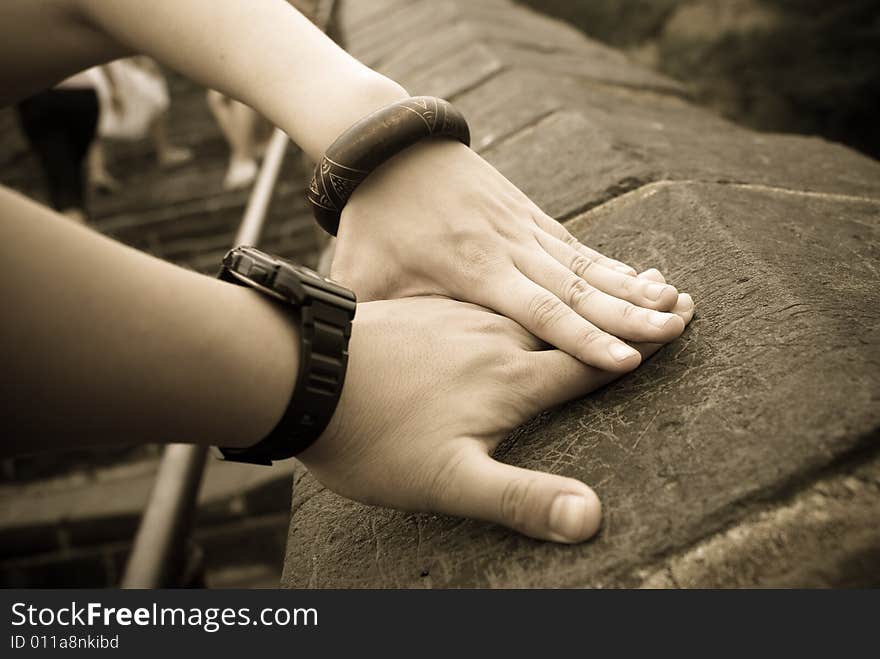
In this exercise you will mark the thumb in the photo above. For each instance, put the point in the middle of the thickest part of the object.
(539, 505)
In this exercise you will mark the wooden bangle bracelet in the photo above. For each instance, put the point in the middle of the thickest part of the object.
(370, 142)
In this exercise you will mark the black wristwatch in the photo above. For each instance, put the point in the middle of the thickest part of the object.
(325, 310)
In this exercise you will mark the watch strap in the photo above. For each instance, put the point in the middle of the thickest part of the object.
(325, 330)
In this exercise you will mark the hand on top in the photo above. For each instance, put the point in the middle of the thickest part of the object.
(437, 219)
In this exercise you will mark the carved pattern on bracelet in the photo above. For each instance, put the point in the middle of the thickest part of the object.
(375, 139)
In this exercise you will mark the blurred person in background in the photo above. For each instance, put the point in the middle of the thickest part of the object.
(247, 135)
(134, 100)
(60, 124)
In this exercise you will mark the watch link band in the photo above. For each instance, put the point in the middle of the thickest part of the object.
(326, 310)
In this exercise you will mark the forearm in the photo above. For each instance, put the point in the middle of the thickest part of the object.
(105, 345)
(263, 52)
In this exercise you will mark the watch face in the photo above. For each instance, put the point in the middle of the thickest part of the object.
(309, 277)
(282, 278)
(307, 273)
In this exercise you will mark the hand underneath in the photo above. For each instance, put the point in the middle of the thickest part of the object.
(433, 386)
(437, 219)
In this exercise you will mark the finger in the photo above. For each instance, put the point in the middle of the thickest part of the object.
(540, 505)
(641, 291)
(684, 304)
(684, 307)
(609, 313)
(548, 318)
(557, 377)
(613, 264)
(652, 274)
(559, 232)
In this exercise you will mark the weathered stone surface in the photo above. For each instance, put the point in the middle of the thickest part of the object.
(595, 128)
(424, 68)
(416, 25)
(717, 445)
(572, 160)
(794, 544)
(775, 380)
(437, 47)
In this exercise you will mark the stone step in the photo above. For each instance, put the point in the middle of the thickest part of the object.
(78, 510)
(244, 553)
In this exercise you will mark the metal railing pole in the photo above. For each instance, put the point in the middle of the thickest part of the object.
(158, 557)
(251, 226)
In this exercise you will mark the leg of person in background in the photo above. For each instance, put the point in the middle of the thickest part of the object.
(99, 177)
(238, 122)
(63, 174)
(60, 126)
(168, 154)
(82, 125)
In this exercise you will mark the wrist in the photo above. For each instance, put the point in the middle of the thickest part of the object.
(263, 340)
(323, 311)
(361, 149)
(426, 161)
(366, 94)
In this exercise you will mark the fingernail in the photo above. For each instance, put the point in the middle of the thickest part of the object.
(658, 319)
(625, 269)
(654, 291)
(687, 301)
(569, 515)
(621, 351)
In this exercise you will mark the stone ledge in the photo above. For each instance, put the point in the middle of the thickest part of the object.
(574, 112)
(772, 390)
(775, 379)
(793, 545)
(425, 39)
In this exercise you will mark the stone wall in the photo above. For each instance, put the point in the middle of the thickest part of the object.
(802, 66)
(745, 453)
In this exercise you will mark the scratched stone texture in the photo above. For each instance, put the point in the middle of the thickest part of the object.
(745, 453)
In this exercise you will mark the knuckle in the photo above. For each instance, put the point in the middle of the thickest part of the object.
(625, 285)
(587, 339)
(577, 292)
(581, 264)
(630, 312)
(545, 310)
(514, 502)
(569, 240)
